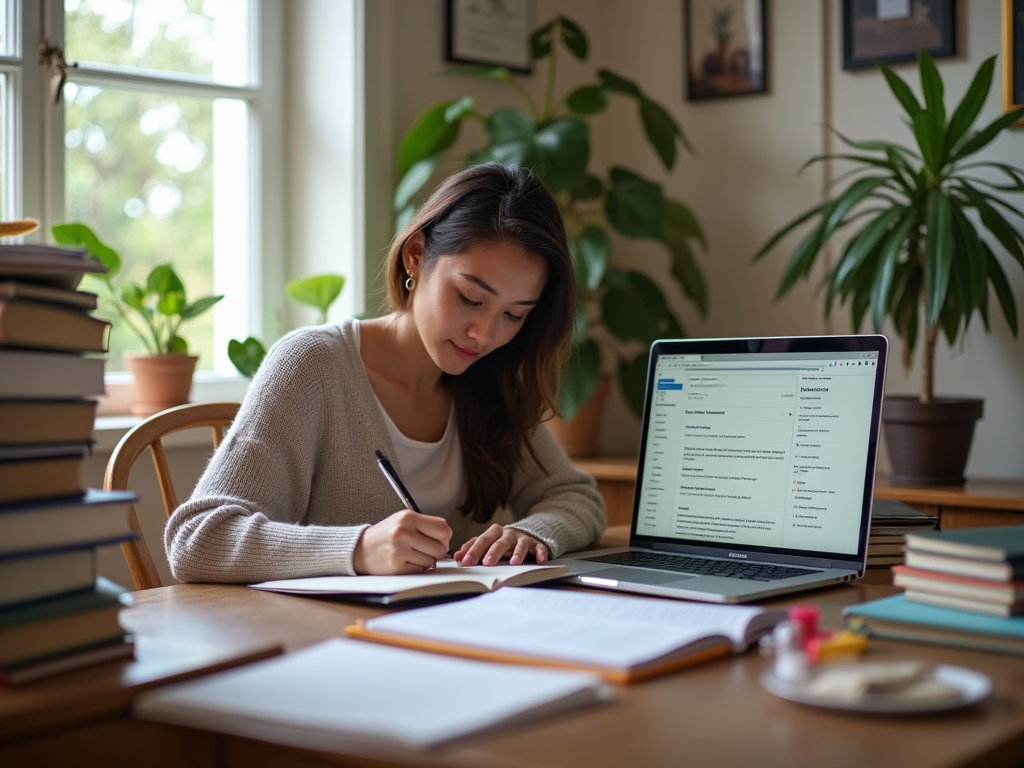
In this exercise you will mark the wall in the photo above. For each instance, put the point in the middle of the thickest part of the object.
(743, 181)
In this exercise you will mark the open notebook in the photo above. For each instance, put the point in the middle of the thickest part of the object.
(362, 699)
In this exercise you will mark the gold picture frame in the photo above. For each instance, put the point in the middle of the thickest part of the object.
(1013, 56)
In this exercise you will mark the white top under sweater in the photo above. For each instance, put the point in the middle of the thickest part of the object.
(432, 472)
(295, 482)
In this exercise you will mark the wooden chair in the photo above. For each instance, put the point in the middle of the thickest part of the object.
(149, 434)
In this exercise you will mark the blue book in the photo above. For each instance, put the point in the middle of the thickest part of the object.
(896, 618)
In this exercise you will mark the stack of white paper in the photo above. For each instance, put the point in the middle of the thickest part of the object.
(343, 695)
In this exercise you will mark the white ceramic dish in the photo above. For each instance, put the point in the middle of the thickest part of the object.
(974, 687)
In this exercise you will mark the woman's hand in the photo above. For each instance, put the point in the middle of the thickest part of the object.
(497, 542)
(405, 542)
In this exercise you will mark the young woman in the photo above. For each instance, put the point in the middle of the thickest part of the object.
(451, 386)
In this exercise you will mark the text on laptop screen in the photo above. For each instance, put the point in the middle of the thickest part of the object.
(758, 449)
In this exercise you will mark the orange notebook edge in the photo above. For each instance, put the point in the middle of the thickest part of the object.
(621, 676)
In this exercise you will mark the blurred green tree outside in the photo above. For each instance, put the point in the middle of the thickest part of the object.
(139, 164)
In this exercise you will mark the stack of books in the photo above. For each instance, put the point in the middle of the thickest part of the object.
(54, 612)
(980, 570)
(891, 521)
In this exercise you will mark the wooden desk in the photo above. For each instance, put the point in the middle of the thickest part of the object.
(714, 714)
(976, 504)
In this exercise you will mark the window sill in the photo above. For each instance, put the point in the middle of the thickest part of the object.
(113, 421)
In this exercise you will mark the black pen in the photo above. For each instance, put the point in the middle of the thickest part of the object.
(392, 476)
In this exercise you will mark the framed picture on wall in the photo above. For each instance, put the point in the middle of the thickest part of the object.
(1013, 55)
(892, 31)
(493, 32)
(726, 44)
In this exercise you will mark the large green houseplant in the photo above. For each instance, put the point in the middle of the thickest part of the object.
(154, 311)
(918, 254)
(551, 135)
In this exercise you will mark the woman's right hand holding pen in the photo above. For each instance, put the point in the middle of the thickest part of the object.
(406, 542)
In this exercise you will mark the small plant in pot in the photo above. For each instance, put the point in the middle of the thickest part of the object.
(162, 377)
(550, 134)
(919, 256)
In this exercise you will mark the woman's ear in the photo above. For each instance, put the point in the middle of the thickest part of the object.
(414, 254)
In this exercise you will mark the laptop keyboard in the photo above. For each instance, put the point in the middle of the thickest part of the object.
(700, 565)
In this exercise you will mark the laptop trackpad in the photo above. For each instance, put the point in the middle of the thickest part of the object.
(637, 575)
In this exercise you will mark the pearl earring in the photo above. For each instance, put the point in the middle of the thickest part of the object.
(410, 283)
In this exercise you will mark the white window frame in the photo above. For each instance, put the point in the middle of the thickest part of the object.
(36, 175)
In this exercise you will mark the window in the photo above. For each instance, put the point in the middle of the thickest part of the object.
(159, 144)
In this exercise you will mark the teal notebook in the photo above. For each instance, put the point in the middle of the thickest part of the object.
(896, 618)
(1004, 543)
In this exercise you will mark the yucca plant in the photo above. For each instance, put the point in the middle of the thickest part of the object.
(551, 136)
(920, 245)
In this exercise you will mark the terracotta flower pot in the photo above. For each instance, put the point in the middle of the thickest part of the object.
(159, 381)
(579, 437)
(929, 442)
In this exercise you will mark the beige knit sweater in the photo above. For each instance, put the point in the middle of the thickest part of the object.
(295, 481)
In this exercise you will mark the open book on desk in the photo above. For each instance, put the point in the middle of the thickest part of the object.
(624, 639)
(444, 580)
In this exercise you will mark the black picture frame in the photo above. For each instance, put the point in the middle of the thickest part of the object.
(726, 51)
(1013, 56)
(489, 32)
(894, 34)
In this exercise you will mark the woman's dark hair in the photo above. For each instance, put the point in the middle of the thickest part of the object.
(500, 399)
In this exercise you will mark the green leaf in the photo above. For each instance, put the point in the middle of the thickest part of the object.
(661, 131)
(1002, 288)
(938, 254)
(430, 134)
(881, 289)
(801, 260)
(171, 304)
(970, 252)
(540, 41)
(574, 38)
(163, 280)
(901, 91)
(564, 150)
(133, 295)
(677, 230)
(932, 88)
(177, 346)
(404, 216)
(635, 206)
(931, 139)
(682, 222)
(579, 379)
(589, 187)
(317, 291)
(774, 239)
(588, 100)
(618, 84)
(511, 133)
(873, 146)
(985, 136)
(199, 306)
(483, 71)
(79, 235)
(970, 105)
(591, 251)
(1007, 236)
(845, 202)
(633, 382)
(633, 307)
(414, 180)
(863, 244)
(246, 356)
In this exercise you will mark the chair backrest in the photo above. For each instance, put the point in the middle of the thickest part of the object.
(149, 434)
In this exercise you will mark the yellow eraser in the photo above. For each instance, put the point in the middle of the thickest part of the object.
(839, 647)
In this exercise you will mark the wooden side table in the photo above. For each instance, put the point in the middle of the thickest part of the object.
(976, 504)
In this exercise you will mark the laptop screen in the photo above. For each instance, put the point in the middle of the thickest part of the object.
(763, 450)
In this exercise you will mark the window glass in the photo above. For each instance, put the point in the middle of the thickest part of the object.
(150, 173)
(6, 151)
(199, 38)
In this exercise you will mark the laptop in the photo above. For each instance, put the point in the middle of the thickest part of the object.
(756, 469)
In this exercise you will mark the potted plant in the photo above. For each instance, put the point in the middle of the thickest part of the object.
(551, 135)
(917, 255)
(162, 377)
(317, 291)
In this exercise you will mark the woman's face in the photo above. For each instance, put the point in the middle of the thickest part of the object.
(468, 304)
